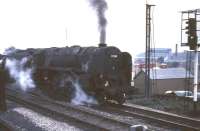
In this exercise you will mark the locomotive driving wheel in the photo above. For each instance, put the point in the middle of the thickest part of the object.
(101, 97)
(120, 98)
(62, 87)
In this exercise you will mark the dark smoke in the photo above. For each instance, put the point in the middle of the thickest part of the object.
(100, 6)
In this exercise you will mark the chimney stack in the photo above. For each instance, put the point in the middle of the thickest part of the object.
(102, 38)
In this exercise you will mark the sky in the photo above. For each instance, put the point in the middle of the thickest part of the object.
(58, 23)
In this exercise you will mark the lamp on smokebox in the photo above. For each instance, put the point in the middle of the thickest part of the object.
(191, 31)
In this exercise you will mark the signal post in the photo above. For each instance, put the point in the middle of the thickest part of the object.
(189, 37)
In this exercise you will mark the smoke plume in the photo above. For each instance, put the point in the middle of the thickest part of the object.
(100, 6)
(21, 75)
(81, 98)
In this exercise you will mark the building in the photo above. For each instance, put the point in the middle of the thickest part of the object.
(156, 54)
(178, 60)
(158, 57)
(163, 80)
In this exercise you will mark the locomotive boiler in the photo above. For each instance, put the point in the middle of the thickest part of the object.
(103, 72)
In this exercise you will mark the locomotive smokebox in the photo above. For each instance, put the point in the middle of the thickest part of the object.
(102, 38)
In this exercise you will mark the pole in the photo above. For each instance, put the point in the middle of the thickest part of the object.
(195, 79)
(193, 44)
(148, 7)
(147, 51)
(196, 65)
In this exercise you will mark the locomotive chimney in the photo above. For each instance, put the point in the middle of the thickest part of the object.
(102, 38)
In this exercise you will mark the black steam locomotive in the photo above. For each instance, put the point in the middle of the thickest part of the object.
(103, 72)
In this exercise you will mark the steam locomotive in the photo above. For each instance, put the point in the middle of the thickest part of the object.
(103, 72)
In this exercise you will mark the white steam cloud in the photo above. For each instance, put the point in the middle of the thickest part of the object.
(81, 98)
(21, 75)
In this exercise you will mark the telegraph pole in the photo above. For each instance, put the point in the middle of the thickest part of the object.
(190, 30)
(148, 50)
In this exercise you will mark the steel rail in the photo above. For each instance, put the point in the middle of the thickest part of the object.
(99, 121)
(161, 117)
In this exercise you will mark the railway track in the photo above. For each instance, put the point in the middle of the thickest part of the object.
(4, 126)
(107, 122)
(90, 118)
(160, 117)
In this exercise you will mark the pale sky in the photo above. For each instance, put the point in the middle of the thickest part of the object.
(44, 23)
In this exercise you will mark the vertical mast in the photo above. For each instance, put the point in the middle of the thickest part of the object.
(191, 20)
(148, 50)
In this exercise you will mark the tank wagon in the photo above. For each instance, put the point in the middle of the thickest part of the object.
(103, 72)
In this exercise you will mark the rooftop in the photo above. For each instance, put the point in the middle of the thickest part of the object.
(168, 73)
